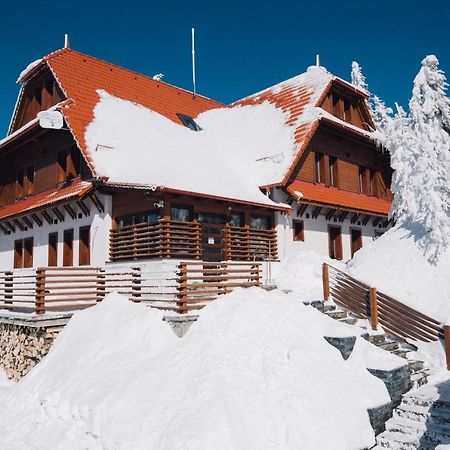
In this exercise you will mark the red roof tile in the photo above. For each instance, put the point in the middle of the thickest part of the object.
(45, 199)
(80, 76)
(321, 194)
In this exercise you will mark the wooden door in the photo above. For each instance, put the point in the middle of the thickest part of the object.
(212, 226)
(356, 240)
(335, 242)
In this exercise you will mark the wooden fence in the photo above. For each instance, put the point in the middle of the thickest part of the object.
(64, 289)
(396, 318)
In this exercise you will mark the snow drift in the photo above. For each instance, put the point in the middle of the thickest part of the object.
(397, 265)
(253, 372)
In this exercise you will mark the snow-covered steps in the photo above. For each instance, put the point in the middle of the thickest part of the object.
(421, 421)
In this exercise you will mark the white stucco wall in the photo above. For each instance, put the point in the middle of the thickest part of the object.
(99, 237)
(316, 232)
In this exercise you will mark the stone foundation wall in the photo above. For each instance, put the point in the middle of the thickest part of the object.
(23, 346)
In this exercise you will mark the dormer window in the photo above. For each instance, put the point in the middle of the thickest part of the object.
(189, 122)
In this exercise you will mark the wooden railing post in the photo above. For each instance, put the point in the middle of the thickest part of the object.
(226, 242)
(182, 295)
(373, 308)
(325, 282)
(40, 291)
(101, 285)
(447, 344)
(9, 280)
(198, 240)
(136, 281)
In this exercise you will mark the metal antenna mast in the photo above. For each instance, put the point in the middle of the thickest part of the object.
(193, 60)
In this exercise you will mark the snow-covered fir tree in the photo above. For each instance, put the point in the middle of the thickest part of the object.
(430, 121)
(357, 77)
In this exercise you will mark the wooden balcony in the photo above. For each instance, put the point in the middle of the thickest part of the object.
(188, 240)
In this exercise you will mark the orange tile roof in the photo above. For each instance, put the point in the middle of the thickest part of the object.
(300, 98)
(323, 195)
(48, 198)
(80, 76)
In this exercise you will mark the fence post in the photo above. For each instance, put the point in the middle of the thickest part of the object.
(447, 344)
(9, 280)
(325, 282)
(40, 291)
(373, 308)
(136, 281)
(101, 285)
(182, 295)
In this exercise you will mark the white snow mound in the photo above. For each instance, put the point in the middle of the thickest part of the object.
(253, 373)
(397, 265)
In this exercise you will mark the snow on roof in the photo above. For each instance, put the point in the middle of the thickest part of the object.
(28, 70)
(300, 98)
(236, 151)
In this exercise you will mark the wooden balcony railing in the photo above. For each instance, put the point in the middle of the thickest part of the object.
(183, 240)
(182, 288)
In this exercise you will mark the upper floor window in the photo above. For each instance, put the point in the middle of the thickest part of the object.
(68, 164)
(319, 173)
(25, 182)
(181, 213)
(260, 222)
(333, 166)
(134, 219)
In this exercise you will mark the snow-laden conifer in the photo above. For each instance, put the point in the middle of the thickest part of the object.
(357, 77)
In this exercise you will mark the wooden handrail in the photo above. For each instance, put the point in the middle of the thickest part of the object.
(395, 317)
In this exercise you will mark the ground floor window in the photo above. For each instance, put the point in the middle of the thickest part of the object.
(23, 253)
(84, 246)
(260, 222)
(68, 248)
(53, 249)
(335, 242)
(356, 240)
(299, 230)
(181, 213)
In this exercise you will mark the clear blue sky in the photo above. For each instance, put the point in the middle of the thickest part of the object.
(242, 46)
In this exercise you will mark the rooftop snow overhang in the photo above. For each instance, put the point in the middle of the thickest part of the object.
(77, 190)
(272, 205)
(331, 197)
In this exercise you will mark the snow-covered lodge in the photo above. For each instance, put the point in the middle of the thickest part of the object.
(125, 168)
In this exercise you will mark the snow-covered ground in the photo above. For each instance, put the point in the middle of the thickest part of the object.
(253, 372)
(397, 265)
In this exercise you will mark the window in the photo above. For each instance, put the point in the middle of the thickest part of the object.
(181, 213)
(84, 258)
(374, 183)
(68, 248)
(260, 222)
(236, 220)
(363, 180)
(62, 166)
(337, 106)
(299, 230)
(23, 253)
(189, 122)
(18, 254)
(20, 184)
(335, 242)
(53, 249)
(68, 164)
(148, 216)
(29, 180)
(347, 110)
(356, 240)
(333, 162)
(319, 174)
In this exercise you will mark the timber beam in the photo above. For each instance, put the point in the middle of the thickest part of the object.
(330, 213)
(343, 216)
(366, 219)
(47, 217)
(71, 212)
(37, 219)
(28, 222)
(302, 209)
(58, 214)
(99, 205)
(19, 224)
(316, 212)
(10, 226)
(5, 231)
(83, 207)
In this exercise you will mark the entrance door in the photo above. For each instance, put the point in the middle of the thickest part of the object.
(335, 242)
(356, 240)
(212, 235)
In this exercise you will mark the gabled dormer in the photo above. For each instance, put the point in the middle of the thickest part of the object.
(348, 104)
(39, 92)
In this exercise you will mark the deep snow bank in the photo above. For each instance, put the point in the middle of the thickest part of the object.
(253, 372)
(397, 266)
